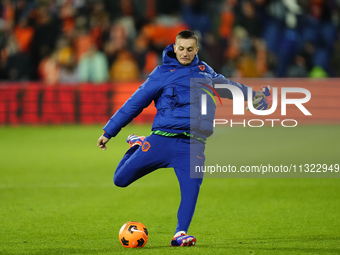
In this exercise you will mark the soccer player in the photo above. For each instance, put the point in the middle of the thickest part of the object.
(178, 128)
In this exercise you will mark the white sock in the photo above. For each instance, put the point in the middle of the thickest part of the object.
(179, 233)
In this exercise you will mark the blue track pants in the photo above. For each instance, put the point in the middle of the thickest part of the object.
(162, 152)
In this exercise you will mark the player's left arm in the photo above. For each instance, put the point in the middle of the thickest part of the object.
(226, 93)
(259, 97)
(262, 101)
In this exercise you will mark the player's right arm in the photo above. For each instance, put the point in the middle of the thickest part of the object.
(141, 99)
(102, 142)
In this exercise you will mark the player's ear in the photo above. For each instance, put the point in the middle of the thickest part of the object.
(197, 50)
(174, 48)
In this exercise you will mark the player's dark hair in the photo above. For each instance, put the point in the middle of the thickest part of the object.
(187, 34)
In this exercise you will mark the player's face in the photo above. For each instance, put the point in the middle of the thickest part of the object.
(185, 50)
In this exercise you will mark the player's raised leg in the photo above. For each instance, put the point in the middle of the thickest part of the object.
(145, 155)
(133, 140)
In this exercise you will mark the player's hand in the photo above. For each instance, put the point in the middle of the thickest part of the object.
(102, 142)
(262, 98)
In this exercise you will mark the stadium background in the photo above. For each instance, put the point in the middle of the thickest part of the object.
(99, 41)
(78, 61)
(66, 66)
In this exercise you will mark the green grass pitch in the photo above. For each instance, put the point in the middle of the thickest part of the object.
(57, 195)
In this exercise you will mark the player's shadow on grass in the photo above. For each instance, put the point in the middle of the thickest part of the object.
(296, 245)
(275, 245)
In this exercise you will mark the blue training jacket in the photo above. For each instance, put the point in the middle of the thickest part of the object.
(177, 97)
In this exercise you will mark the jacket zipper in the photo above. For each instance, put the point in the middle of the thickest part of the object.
(192, 76)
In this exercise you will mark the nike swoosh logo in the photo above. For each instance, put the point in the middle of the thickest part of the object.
(199, 157)
(136, 230)
(173, 70)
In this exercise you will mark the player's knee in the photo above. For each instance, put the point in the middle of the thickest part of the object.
(120, 182)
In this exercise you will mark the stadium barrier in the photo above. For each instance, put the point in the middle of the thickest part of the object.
(33, 103)
(324, 103)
